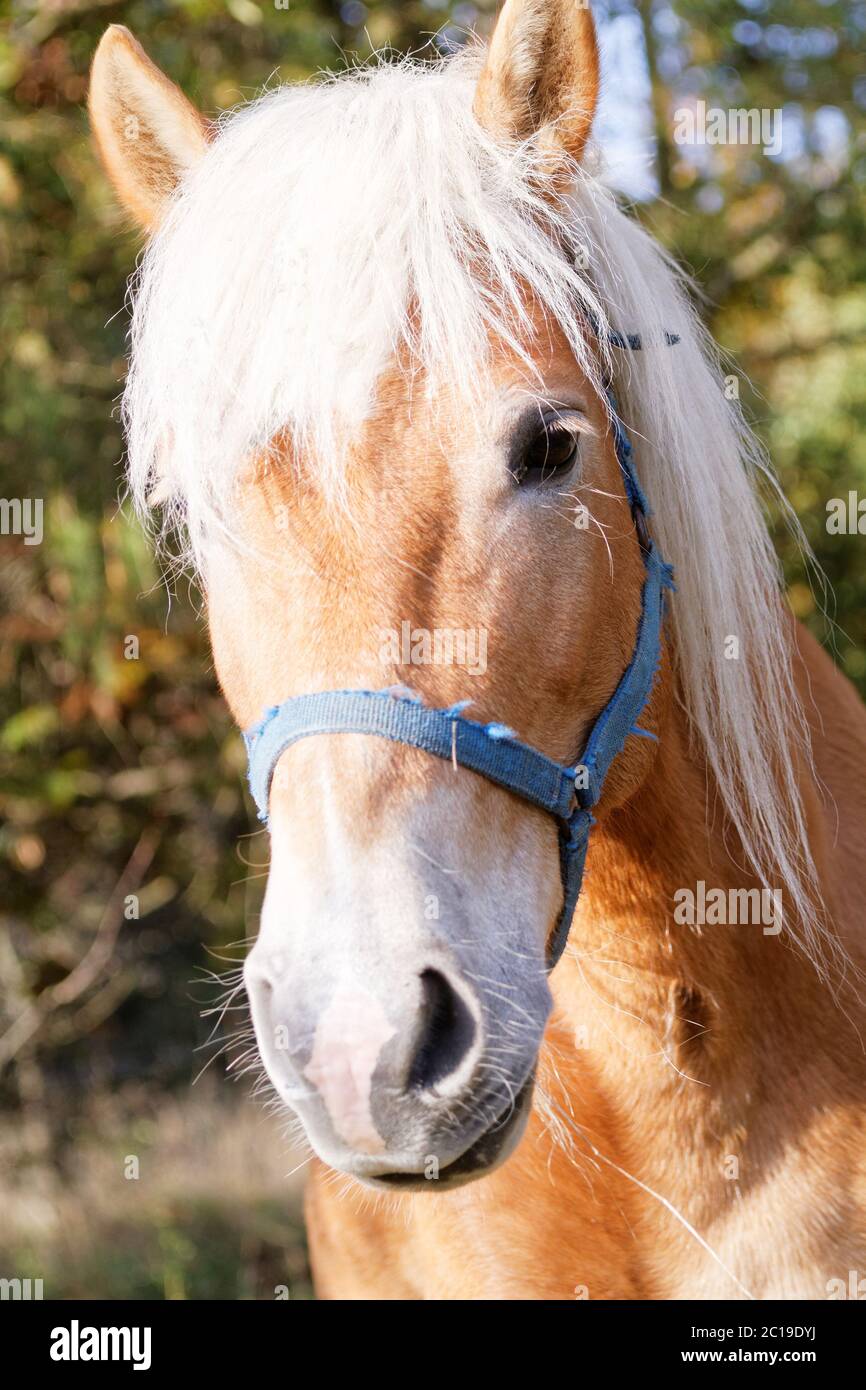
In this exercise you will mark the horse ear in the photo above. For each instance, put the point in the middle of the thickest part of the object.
(541, 74)
(149, 136)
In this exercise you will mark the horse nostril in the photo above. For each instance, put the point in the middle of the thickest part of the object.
(446, 1034)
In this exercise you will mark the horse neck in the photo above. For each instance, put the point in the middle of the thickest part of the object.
(716, 1000)
(683, 1065)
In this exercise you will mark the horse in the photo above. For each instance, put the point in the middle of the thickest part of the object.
(405, 376)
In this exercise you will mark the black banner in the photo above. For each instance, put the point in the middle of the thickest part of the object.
(85, 1339)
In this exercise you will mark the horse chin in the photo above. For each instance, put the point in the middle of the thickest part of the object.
(486, 1153)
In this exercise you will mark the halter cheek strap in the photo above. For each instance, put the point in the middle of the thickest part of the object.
(492, 750)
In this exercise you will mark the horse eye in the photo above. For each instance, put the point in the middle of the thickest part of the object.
(550, 454)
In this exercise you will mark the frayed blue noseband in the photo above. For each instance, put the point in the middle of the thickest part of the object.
(567, 793)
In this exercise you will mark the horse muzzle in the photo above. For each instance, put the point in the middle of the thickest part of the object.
(405, 1075)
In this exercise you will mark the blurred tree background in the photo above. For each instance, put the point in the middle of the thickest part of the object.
(129, 870)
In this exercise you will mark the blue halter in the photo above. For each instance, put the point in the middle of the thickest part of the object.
(567, 793)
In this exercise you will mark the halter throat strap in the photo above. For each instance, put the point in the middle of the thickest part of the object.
(567, 792)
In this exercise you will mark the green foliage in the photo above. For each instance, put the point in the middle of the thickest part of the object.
(778, 247)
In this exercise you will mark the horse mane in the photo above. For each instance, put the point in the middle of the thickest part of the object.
(336, 223)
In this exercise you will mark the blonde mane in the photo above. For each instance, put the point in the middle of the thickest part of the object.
(333, 224)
